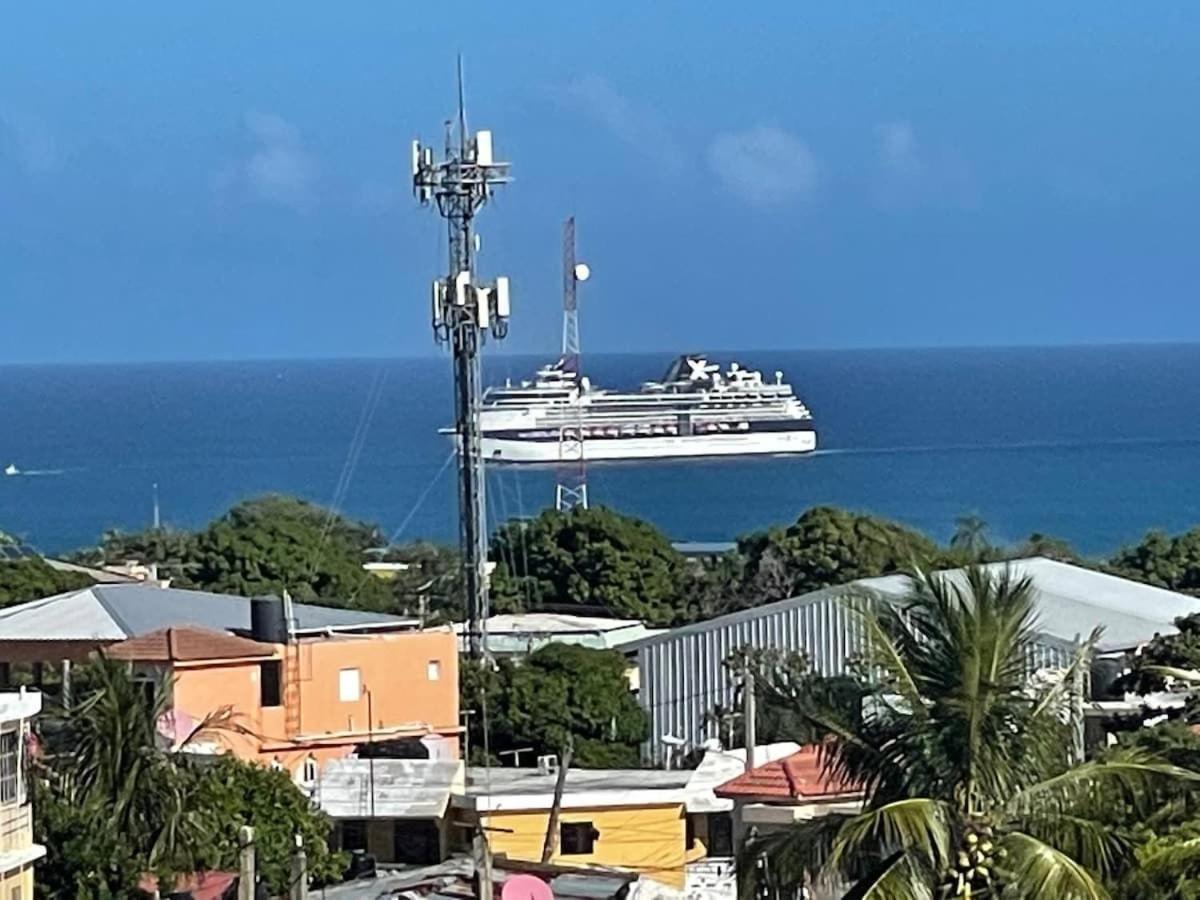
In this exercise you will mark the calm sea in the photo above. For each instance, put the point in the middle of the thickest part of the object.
(1096, 445)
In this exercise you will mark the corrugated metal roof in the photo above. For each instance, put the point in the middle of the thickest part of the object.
(113, 612)
(512, 633)
(403, 788)
(682, 674)
(1071, 601)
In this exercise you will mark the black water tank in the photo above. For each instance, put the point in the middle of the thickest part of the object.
(267, 622)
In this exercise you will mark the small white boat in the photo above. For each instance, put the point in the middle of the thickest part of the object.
(11, 469)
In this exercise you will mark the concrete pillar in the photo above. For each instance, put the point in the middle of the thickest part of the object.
(299, 875)
(246, 867)
(66, 684)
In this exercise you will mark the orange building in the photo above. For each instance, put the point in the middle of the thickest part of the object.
(298, 699)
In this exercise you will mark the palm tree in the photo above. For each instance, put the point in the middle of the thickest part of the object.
(108, 768)
(966, 763)
(970, 536)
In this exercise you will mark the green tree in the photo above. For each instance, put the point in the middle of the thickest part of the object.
(432, 583)
(113, 802)
(970, 538)
(173, 550)
(237, 793)
(589, 560)
(106, 776)
(1163, 560)
(964, 760)
(826, 546)
(558, 693)
(276, 543)
(1167, 842)
(32, 578)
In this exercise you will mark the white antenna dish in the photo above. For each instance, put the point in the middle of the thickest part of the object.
(582, 272)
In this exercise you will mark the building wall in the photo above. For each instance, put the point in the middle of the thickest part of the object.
(20, 879)
(396, 670)
(646, 839)
(683, 677)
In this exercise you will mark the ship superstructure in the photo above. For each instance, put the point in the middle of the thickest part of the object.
(695, 410)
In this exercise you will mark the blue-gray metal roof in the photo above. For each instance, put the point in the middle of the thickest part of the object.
(113, 612)
(682, 674)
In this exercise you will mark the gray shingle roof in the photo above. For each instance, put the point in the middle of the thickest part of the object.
(114, 612)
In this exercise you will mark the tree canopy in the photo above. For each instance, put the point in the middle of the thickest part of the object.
(32, 578)
(560, 693)
(587, 560)
(1172, 562)
(826, 546)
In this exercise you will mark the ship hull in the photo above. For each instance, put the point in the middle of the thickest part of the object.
(602, 449)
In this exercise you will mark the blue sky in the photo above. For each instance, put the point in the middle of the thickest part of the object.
(229, 180)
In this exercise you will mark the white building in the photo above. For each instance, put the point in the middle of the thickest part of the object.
(18, 852)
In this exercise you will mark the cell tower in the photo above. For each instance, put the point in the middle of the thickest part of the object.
(464, 311)
(571, 488)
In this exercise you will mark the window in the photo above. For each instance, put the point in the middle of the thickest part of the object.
(577, 838)
(349, 686)
(15, 894)
(269, 674)
(720, 834)
(433, 670)
(354, 834)
(10, 767)
(690, 838)
(308, 770)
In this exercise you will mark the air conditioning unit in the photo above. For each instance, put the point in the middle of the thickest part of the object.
(548, 764)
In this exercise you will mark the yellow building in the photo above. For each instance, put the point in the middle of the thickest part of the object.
(666, 826)
(18, 852)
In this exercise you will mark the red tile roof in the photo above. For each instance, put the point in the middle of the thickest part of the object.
(187, 644)
(795, 777)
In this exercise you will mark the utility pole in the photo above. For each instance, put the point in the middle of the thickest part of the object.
(571, 488)
(464, 311)
(246, 866)
(748, 713)
(560, 784)
(299, 872)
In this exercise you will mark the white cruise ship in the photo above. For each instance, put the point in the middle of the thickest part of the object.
(696, 410)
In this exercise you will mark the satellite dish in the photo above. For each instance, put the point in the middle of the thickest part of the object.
(526, 887)
(582, 272)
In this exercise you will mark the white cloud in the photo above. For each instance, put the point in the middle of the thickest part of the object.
(27, 141)
(278, 168)
(898, 148)
(912, 175)
(637, 126)
(765, 166)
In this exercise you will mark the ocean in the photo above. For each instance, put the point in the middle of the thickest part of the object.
(1096, 445)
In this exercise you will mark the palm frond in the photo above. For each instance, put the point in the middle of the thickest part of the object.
(1045, 873)
(1137, 780)
(882, 650)
(919, 825)
(796, 855)
(1062, 685)
(1088, 841)
(893, 879)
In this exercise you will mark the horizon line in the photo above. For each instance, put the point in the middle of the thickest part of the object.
(894, 348)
